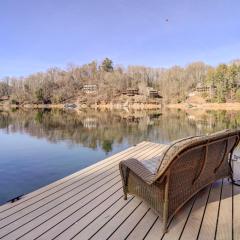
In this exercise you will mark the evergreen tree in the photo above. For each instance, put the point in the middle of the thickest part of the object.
(107, 65)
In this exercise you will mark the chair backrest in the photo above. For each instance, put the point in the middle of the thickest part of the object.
(216, 146)
(200, 163)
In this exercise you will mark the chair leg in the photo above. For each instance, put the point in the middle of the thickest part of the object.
(165, 224)
(165, 206)
(125, 193)
(165, 228)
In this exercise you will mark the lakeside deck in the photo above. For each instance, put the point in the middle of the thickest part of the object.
(89, 205)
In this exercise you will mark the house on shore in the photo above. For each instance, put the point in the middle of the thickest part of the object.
(209, 89)
(153, 93)
(148, 92)
(90, 88)
(131, 92)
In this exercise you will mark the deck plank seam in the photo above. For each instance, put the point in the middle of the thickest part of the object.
(219, 205)
(205, 208)
(189, 213)
(72, 212)
(144, 237)
(137, 223)
(81, 216)
(118, 225)
(127, 202)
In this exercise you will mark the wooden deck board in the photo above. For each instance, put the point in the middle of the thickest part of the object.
(224, 226)
(90, 224)
(194, 221)
(155, 231)
(144, 225)
(111, 226)
(236, 204)
(179, 222)
(129, 223)
(208, 228)
(89, 205)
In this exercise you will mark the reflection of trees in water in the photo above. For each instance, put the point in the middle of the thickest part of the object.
(103, 129)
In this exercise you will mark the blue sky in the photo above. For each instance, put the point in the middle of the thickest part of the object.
(39, 34)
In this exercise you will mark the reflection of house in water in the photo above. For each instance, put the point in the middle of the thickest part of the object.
(155, 116)
(203, 123)
(191, 117)
(90, 123)
(90, 88)
(142, 120)
(132, 119)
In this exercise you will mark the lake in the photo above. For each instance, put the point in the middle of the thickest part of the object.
(41, 146)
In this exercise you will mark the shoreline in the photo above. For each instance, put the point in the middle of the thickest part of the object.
(135, 106)
(206, 106)
(110, 106)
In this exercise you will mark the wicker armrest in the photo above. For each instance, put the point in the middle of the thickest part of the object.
(138, 168)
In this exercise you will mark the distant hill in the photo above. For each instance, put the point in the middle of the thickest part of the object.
(108, 82)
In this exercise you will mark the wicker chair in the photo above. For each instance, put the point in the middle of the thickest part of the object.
(184, 167)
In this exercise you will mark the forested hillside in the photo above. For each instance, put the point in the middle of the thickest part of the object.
(175, 83)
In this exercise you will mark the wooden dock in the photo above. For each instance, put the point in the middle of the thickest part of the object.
(89, 205)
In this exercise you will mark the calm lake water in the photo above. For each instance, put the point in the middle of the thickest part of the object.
(41, 146)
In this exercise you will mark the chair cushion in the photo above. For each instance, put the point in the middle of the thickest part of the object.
(153, 164)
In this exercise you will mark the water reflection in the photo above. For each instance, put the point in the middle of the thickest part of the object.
(94, 129)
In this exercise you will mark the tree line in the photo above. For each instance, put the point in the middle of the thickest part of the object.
(59, 86)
